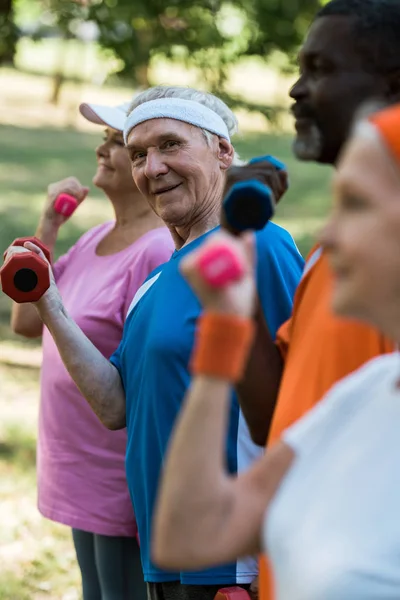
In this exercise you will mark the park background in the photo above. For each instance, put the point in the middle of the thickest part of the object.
(55, 54)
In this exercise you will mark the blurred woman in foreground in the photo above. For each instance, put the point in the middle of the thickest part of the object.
(323, 502)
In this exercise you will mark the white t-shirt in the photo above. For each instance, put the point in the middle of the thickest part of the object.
(333, 529)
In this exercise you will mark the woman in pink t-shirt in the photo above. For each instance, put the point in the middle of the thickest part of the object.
(80, 463)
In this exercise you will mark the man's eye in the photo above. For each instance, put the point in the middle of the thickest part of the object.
(319, 66)
(137, 155)
(353, 202)
(170, 144)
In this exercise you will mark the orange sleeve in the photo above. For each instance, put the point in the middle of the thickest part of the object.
(283, 338)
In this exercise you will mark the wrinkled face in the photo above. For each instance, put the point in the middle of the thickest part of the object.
(113, 173)
(333, 84)
(362, 236)
(177, 170)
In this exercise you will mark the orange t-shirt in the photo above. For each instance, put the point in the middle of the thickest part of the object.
(319, 349)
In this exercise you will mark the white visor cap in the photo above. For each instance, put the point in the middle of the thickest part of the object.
(110, 116)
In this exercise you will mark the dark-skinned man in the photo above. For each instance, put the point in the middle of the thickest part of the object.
(350, 56)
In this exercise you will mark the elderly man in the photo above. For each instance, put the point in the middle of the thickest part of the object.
(180, 149)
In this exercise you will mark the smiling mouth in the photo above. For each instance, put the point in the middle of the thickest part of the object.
(166, 190)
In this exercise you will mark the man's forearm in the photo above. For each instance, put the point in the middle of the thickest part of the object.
(259, 388)
(47, 231)
(97, 379)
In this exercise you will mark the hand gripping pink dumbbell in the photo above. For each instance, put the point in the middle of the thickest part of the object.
(65, 205)
(219, 265)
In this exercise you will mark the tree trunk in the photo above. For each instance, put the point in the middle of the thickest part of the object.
(142, 76)
(58, 76)
(8, 32)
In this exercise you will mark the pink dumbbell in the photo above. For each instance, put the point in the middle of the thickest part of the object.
(65, 205)
(219, 265)
(232, 593)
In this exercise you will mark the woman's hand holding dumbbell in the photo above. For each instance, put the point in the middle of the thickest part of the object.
(63, 197)
(221, 273)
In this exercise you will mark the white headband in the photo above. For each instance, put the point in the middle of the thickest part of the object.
(187, 111)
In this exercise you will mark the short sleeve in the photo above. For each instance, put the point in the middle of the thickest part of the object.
(311, 428)
(87, 238)
(333, 412)
(62, 262)
(115, 358)
(157, 252)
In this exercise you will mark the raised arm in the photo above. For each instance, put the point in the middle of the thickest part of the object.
(205, 516)
(25, 320)
(97, 379)
(259, 387)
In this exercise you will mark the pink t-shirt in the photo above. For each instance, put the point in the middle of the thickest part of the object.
(80, 463)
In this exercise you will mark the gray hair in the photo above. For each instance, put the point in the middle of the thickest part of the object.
(187, 93)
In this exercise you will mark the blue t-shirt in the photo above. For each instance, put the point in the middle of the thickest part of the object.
(153, 360)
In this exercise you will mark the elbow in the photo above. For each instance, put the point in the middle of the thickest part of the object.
(26, 331)
(172, 554)
(170, 550)
(113, 423)
(162, 557)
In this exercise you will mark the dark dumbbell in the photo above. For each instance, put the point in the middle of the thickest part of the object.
(25, 277)
(232, 593)
(250, 204)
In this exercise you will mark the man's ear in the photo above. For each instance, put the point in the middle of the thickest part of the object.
(226, 153)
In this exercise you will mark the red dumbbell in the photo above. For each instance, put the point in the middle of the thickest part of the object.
(232, 593)
(25, 277)
(65, 204)
(219, 265)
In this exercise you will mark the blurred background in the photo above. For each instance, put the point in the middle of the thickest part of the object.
(55, 54)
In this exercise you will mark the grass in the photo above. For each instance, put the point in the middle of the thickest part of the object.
(41, 144)
(37, 557)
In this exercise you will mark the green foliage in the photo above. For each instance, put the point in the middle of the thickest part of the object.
(210, 35)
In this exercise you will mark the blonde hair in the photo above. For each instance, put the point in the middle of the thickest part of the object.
(187, 93)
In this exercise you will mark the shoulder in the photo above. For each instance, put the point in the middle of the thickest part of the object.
(275, 239)
(94, 234)
(343, 402)
(272, 231)
(157, 239)
(370, 375)
(152, 250)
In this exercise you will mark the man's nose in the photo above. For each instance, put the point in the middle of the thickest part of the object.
(300, 90)
(155, 165)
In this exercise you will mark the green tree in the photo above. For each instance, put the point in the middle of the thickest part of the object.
(136, 31)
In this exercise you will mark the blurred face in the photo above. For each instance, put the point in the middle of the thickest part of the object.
(113, 165)
(180, 174)
(333, 83)
(362, 237)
